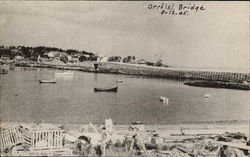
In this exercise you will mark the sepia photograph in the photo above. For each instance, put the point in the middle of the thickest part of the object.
(124, 78)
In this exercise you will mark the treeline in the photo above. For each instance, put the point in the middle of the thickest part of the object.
(33, 52)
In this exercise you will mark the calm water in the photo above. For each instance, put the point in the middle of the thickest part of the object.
(22, 98)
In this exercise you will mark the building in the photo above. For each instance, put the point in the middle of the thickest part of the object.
(114, 59)
(129, 59)
(5, 54)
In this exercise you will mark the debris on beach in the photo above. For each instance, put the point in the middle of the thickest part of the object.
(109, 140)
(10, 136)
(137, 126)
(33, 140)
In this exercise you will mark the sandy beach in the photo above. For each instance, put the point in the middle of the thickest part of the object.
(188, 139)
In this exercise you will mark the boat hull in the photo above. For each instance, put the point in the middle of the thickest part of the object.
(114, 89)
(47, 81)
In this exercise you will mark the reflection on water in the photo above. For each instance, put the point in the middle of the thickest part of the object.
(73, 99)
(64, 77)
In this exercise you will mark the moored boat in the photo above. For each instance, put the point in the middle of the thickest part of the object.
(47, 81)
(207, 95)
(164, 99)
(107, 89)
(3, 71)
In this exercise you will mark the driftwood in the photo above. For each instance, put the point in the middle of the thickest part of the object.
(184, 150)
(235, 145)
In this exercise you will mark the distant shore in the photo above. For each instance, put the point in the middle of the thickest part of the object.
(135, 69)
(200, 78)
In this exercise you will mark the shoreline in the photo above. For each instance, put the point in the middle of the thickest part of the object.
(205, 128)
(141, 70)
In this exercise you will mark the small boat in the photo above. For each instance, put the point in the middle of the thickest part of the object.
(119, 81)
(207, 96)
(164, 99)
(112, 89)
(47, 81)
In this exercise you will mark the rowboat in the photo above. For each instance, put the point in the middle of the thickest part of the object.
(47, 81)
(108, 89)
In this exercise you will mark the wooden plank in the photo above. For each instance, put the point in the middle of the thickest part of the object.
(4, 139)
(52, 139)
(1, 137)
(44, 135)
(55, 139)
(61, 139)
(18, 134)
(15, 135)
(9, 135)
(35, 139)
(39, 137)
(32, 139)
(236, 145)
(12, 136)
(49, 139)
(2, 144)
(58, 139)
(7, 138)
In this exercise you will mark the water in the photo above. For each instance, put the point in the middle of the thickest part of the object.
(73, 100)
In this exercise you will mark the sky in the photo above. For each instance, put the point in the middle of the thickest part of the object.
(217, 37)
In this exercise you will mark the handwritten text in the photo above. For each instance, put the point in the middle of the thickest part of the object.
(176, 9)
